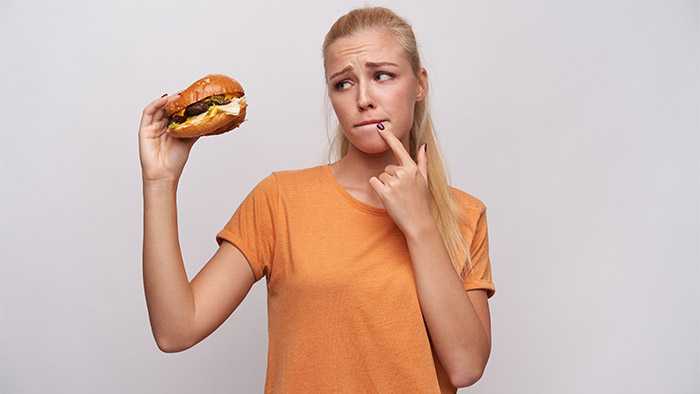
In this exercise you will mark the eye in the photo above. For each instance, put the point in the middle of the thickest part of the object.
(384, 73)
(339, 84)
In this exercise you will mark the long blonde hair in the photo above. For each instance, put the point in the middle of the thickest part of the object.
(445, 210)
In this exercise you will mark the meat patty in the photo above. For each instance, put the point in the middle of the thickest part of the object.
(200, 107)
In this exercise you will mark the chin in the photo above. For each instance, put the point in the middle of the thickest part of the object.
(371, 147)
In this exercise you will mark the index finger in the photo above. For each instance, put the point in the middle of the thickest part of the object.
(154, 108)
(395, 145)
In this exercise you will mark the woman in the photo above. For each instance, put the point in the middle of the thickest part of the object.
(366, 259)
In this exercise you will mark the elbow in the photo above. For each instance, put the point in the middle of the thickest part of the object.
(466, 379)
(471, 369)
(167, 346)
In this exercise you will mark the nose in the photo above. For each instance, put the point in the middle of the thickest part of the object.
(364, 99)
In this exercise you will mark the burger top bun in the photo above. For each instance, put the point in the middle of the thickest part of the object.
(209, 85)
(219, 118)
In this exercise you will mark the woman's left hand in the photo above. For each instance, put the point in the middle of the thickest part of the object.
(403, 189)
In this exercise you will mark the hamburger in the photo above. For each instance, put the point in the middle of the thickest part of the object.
(214, 104)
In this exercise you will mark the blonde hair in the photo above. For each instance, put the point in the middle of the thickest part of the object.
(445, 210)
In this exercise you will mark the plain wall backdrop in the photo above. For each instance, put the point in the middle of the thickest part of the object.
(575, 122)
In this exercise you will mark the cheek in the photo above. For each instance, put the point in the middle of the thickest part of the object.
(340, 107)
(399, 99)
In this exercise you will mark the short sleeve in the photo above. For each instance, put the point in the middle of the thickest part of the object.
(251, 228)
(479, 277)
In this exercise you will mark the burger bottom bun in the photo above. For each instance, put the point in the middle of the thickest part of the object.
(217, 124)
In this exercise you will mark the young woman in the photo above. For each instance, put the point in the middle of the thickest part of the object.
(378, 272)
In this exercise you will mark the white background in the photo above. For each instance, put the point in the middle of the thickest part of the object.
(575, 122)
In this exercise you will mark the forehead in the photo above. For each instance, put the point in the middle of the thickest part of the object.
(371, 45)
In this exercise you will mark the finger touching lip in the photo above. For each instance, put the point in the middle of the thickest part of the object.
(369, 125)
(373, 124)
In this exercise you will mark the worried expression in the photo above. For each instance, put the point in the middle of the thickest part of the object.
(369, 79)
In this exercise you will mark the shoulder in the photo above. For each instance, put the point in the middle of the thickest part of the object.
(297, 178)
(296, 175)
(471, 208)
(467, 200)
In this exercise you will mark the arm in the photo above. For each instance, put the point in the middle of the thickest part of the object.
(459, 323)
(169, 296)
(183, 313)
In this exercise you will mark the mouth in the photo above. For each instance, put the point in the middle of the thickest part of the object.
(370, 122)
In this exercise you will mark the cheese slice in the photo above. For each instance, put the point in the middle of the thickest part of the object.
(233, 108)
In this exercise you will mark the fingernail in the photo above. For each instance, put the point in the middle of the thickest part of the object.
(164, 95)
(380, 126)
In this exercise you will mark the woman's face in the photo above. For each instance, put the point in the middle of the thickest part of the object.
(361, 91)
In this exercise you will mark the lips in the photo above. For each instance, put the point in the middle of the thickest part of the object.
(370, 121)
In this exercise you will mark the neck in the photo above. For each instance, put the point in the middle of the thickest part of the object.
(356, 168)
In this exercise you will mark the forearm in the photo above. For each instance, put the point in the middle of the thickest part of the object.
(456, 331)
(169, 297)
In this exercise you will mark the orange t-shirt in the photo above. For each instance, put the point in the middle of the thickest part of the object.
(343, 310)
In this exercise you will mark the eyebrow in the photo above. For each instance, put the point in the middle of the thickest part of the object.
(367, 64)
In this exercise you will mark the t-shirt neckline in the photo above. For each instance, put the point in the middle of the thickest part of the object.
(326, 168)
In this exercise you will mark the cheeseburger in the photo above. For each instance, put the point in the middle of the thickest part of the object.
(212, 105)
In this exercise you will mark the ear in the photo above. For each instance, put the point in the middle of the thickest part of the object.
(422, 84)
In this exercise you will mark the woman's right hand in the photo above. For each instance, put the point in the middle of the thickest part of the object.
(162, 156)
